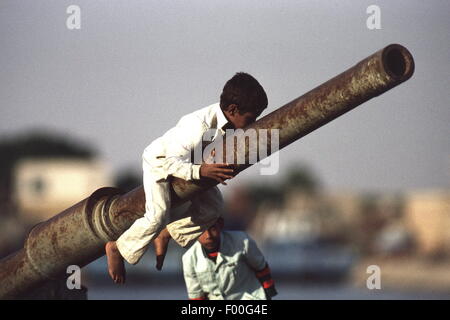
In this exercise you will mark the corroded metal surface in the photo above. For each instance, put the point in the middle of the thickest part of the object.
(78, 234)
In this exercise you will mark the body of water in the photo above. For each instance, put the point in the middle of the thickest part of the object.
(286, 292)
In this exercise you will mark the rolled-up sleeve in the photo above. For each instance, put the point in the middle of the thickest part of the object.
(257, 262)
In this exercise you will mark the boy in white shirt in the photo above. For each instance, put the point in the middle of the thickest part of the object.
(242, 100)
(226, 265)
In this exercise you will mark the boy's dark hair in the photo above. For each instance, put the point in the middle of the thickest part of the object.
(244, 91)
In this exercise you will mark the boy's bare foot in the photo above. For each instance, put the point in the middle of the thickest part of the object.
(116, 267)
(161, 242)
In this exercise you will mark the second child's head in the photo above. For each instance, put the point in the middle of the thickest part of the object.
(242, 100)
(210, 239)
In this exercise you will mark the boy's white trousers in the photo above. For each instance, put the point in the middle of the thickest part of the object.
(184, 228)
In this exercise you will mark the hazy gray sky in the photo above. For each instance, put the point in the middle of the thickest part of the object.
(135, 67)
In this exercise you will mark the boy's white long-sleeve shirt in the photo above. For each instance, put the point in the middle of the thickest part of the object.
(170, 154)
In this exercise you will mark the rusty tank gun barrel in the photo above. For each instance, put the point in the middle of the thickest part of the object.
(77, 235)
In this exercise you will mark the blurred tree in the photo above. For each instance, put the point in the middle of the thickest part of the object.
(301, 178)
(128, 179)
(265, 193)
(297, 178)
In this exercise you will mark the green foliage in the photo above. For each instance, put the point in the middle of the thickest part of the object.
(299, 178)
(128, 180)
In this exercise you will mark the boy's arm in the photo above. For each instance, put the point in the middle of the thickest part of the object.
(193, 287)
(180, 143)
(258, 263)
(180, 140)
(265, 278)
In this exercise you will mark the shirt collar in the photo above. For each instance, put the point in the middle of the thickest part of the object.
(221, 244)
(220, 257)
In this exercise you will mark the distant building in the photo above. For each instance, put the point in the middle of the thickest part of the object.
(339, 217)
(306, 216)
(427, 214)
(44, 187)
(345, 203)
